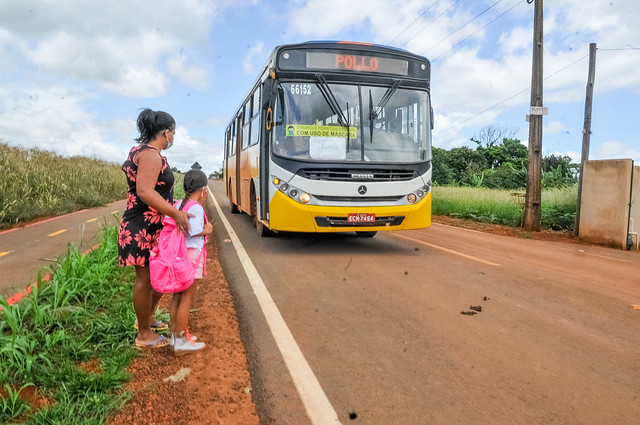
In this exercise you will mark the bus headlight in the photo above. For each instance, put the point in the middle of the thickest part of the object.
(284, 187)
(305, 198)
(420, 193)
(412, 198)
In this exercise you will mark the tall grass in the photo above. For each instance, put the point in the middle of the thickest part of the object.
(503, 206)
(37, 183)
(71, 340)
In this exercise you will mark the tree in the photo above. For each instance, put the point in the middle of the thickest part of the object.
(493, 135)
(559, 171)
(441, 173)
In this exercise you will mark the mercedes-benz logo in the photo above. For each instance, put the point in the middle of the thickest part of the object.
(362, 190)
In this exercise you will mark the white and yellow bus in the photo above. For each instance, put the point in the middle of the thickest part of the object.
(333, 137)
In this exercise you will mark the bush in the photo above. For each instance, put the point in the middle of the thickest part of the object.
(37, 183)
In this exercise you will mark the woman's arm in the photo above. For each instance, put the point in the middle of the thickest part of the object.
(149, 166)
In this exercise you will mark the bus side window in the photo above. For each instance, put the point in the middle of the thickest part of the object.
(246, 123)
(255, 118)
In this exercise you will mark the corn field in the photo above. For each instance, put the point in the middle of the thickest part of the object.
(36, 183)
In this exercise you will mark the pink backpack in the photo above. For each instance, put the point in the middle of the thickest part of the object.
(170, 268)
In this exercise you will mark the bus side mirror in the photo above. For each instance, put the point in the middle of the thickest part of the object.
(431, 117)
(268, 93)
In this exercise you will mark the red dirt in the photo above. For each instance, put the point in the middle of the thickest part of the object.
(218, 389)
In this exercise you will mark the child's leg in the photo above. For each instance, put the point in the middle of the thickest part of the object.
(182, 309)
(173, 309)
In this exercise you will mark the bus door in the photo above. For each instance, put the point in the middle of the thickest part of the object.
(237, 197)
(267, 123)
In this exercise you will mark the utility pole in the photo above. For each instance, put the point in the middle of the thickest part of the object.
(533, 211)
(586, 130)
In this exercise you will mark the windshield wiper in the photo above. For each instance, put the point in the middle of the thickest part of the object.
(374, 112)
(331, 100)
(333, 104)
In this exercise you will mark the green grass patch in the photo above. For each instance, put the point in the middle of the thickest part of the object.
(71, 340)
(37, 183)
(504, 207)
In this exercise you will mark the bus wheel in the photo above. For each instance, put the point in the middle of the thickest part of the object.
(366, 234)
(262, 230)
(234, 207)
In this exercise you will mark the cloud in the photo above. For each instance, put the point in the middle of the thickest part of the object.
(613, 149)
(187, 151)
(119, 45)
(255, 52)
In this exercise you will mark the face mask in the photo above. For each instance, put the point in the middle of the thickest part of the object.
(169, 145)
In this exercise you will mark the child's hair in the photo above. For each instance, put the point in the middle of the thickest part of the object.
(151, 123)
(194, 180)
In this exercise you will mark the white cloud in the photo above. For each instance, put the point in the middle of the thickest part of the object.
(613, 149)
(255, 52)
(119, 45)
(192, 76)
(187, 150)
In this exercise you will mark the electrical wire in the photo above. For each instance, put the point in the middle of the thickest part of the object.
(474, 33)
(414, 21)
(464, 25)
(432, 21)
(511, 97)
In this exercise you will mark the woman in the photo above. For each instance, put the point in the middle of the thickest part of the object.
(149, 199)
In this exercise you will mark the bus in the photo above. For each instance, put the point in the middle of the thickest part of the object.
(333, 137)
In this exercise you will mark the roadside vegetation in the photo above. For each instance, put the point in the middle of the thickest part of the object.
(488, 183)
(37, 183)
(65, 347)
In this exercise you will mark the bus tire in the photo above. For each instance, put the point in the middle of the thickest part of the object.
(234, 207)
(366, 234)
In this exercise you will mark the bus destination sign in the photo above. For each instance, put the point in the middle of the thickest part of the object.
(351, 62)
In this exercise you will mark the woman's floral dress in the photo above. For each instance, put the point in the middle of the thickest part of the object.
(141, 224)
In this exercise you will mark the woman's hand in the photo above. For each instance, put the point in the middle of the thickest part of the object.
(182, 220)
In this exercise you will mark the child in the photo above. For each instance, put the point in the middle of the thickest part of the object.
(195, 189)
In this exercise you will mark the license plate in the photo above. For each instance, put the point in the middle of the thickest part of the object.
(361, 218)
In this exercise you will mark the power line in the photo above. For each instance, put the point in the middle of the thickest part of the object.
(414, 21)
(511, 97)
(474, 33)
(621, 48)
(432, 21)
(464, 25)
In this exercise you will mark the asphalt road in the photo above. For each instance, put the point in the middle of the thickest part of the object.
(25, 251)
(379, 323)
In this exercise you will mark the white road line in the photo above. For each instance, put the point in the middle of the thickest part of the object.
(319, 409)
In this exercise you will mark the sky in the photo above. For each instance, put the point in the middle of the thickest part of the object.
(75, 74)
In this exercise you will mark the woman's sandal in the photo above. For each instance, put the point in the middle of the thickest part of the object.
(160, 342)
(157, 326)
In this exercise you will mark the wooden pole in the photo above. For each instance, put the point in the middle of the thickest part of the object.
(533, 211)
(586, 131)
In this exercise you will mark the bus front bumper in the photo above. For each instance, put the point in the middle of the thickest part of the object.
(285, 214)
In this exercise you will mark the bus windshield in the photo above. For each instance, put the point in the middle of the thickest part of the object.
(328, 122)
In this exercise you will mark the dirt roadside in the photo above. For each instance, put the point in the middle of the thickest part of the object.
(210, 387)
(214, 387)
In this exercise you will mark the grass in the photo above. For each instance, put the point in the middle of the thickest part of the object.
(37, 183)
(503, 207)
(70, 340)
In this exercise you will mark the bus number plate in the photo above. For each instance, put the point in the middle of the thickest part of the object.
(361, 218)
